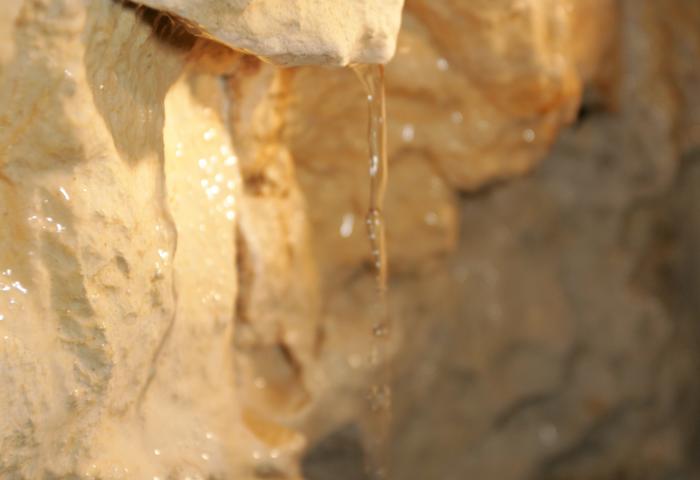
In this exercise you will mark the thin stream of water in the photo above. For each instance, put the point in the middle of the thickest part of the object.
(372, 77)
(379, 396)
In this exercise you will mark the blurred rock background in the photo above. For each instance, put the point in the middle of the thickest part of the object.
(544, 230)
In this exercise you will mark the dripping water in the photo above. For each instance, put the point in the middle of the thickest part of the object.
(372, 77)
(379, 396)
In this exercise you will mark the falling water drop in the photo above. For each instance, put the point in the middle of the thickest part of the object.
(347, 226)
(529, 135)
(372, 77)
(64, 193)
(379, 405)
(408, 133)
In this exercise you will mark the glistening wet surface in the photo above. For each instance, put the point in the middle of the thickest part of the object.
(379, 394)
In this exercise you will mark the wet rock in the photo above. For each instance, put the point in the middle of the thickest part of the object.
(185, 287)
(157, 312)
(87, 238)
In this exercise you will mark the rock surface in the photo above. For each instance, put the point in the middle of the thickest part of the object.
(86, 236)
(297, 32)
(157, 313)
(185, 288)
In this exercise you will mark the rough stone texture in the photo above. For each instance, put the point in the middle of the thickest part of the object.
(166, 311)
(297, 32)
(86, 233)
(157, 312)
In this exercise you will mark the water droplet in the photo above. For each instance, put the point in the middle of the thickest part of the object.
(209, 134)
(380, 330)
(529, 135)
(442, 64)
(64, 193)
(205, 457)
(213, 191)
(374, 165)
(156, 452)
(20, 287)
(408, 133)
(432, 219)
(202, 162)
(348, 225)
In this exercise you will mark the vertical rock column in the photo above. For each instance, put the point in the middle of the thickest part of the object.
(86, 292)
(277, 317)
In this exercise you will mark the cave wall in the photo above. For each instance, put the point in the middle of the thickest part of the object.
(186, 289)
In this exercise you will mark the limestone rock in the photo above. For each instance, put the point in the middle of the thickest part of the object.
(143, 278)
(184, 281)
(87, 237)
(298, 32)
